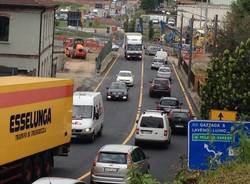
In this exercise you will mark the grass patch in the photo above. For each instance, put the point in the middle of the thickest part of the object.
(229, 173)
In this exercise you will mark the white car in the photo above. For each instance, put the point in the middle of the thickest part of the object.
(125, 76)
(164, 72)
(57, 180)
(153, 126)
(115, 47)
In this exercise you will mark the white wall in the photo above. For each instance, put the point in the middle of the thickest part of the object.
(24, 30)
(23, 33)
(197, 10)
(46, 44)
(20, 63)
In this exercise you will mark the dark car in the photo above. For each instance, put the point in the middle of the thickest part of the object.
(151, 50)
(160, 87)
(168, 103)
(179, 118)
(117, 91)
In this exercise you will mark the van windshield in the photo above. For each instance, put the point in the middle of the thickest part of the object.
(82, 111)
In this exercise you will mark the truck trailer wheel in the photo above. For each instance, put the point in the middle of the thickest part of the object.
(27, 171)
(38, 167)
(47, 164)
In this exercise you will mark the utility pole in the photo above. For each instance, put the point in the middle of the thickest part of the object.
(180, 43)
(206, 15)
(190, 51)
(215, 30)
(201, 13)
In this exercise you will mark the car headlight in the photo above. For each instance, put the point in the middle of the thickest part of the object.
(87, 130)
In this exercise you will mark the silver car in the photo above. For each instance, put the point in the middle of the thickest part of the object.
(112, 163)
(157, 63)
(164, 72)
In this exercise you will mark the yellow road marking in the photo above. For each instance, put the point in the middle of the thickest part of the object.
(137, 114)
(84, 176)
(184, 91)
(100, 83)
(138, 108)
(97, 87)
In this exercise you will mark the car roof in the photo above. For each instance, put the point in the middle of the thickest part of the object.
(164, 67)
(125, 71)
(180, 110)
(154, 113)
(162, 79)
(168, 98)
(117, 82)
(117, 148)
(56, 180)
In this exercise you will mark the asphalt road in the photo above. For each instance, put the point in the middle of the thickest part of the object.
(119, 120)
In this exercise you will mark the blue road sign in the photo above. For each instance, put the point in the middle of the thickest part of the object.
(212, 142)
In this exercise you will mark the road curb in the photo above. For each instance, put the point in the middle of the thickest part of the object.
(183, 79)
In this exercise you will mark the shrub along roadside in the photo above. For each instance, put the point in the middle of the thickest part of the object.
(231, 172)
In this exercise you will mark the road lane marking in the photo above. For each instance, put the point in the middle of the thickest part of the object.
(104, 77)
(138, 107)
(84, 176)
(184, 91)
(137, 114)
(97, 87)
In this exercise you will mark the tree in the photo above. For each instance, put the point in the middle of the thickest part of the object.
(125, 24)
(235, 27)
(149, 4)
(151, 31)
(228, 83)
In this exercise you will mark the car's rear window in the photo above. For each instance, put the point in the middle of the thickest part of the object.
(180, 115)
(151, 122)
(169, 102)
(114, 158)
(164, 70)
(162, 82)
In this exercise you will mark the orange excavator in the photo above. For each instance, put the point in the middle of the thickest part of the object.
(74, 48)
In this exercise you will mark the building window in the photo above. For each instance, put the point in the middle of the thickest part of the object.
(98, 6)
(4, 28)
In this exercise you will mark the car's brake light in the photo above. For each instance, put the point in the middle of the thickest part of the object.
(129, 160)
(165, 132)
(96, 159)
(137, 130)
(158, 106)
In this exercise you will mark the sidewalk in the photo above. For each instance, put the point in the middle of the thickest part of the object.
(82, 72)
(193, 95)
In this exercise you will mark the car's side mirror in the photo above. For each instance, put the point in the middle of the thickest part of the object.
(137, 121)
(96, 116)
(150, 81)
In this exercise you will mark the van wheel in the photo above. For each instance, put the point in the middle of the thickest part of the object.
(37, 165)
(27, 171)
(92, 137)
(100, 132)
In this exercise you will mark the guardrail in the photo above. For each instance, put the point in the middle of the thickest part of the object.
(106, 50)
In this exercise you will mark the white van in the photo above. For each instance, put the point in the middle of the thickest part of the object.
(162, 55)
(88, 115)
